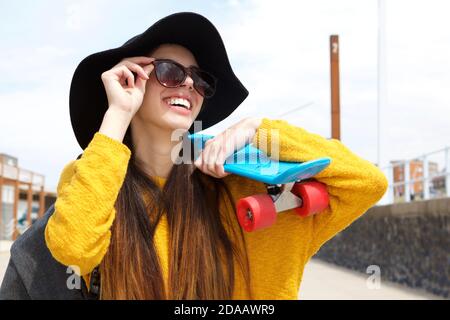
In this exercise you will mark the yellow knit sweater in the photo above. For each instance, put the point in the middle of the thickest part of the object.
(78, 233)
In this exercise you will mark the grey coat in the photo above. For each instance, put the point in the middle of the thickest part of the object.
(33, 273)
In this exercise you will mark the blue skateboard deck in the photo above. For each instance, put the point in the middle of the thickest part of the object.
(254, 164)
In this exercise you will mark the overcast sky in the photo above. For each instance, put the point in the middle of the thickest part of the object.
(42, 43)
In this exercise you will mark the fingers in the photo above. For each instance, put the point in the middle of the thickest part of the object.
(142, 72)
(211, 162)
(125, 73)
(212, 159)
(139, 60)
(119, 74)
(148, 68)
(136, 68)
(140, 82)
(139, 64)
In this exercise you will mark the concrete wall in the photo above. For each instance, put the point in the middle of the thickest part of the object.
(410, 242)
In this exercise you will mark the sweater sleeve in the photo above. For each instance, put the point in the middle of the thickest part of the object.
(354, 184)
(78, 233)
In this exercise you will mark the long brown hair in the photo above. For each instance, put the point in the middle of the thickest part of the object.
(204, 240)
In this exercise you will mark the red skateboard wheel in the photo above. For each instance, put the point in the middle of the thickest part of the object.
(256, 212)
(314, 197)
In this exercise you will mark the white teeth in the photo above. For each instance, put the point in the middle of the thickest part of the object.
(179, 101)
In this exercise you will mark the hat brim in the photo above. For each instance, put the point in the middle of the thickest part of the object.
(88, 101)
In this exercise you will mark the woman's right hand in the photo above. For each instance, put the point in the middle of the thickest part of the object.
(124, 92)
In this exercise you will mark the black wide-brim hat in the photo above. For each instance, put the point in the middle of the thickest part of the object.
(88, 101)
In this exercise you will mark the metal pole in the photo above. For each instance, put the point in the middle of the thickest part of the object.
(381, 78)
(335, 96)
(426, 178)
(407, 181)
(447, 172)
(42, 199)
(29, 202)
(1, 191)
(390, 176)
(15, 205)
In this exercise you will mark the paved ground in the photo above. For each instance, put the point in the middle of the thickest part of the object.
(325, 281)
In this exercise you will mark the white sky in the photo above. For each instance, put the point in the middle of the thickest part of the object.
(43, 42)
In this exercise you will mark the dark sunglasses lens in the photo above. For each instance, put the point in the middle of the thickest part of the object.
(169, 74)
(204, 83)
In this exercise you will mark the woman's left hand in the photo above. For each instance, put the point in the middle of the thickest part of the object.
(217, 149)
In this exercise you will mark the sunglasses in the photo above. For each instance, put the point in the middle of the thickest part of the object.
(171, 74)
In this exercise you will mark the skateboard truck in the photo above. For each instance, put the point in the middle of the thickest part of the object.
(282, 197)
(260, 211)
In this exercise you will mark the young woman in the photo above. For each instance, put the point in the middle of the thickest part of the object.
(136, 225)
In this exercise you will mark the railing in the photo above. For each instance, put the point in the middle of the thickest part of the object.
(422, 178)
(13, 181)
(22, 175)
